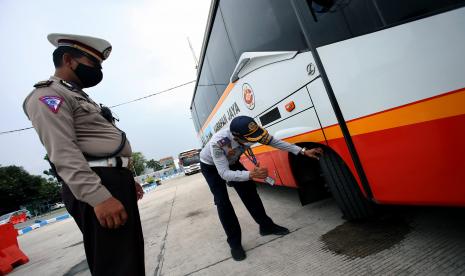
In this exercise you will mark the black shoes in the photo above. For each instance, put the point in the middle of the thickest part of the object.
(238, 253)
(274, 230)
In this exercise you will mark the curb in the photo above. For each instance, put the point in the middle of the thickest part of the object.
(40, 223)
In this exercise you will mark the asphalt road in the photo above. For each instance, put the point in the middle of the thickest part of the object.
(183, 236)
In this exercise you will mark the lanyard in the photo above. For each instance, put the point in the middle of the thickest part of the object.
(251, 156)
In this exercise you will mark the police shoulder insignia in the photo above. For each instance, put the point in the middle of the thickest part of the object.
(52, 102)
(223, 142)
(217, 152)
(45, 83)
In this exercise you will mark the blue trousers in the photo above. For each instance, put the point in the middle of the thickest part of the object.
(247, 191)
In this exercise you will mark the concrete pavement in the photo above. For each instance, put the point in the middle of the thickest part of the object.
(183, 236)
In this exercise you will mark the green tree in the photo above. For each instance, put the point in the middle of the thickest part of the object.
(18, 187)
(138, 161)
(155, 165)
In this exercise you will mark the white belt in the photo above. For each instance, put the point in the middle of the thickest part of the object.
(110, 162)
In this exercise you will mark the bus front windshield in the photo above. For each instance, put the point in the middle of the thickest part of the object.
(189, 160)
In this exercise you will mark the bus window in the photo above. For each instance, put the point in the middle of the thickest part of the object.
(206, 79)
(337, 20)
(397, 11)
(200, 105)
(261, 25)
(218, 85)
(206, 95)
(195, 118)
(205, 100)
(341, 19)
(220, 55)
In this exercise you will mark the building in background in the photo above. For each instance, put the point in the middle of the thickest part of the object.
(167, 162)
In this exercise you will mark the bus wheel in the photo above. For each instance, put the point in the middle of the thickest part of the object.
(309, 177)
(344, 187)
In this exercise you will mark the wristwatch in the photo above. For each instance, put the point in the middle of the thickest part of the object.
(303, 150)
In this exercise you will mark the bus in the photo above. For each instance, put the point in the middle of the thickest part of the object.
(189, 161)
(378, 84)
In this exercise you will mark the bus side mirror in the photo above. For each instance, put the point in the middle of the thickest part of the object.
(237, 70)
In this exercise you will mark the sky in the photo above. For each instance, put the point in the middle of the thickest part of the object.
(150, 53)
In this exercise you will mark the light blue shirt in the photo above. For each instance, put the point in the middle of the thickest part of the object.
(222, 150)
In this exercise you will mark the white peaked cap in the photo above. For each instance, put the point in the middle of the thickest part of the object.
(93, 46)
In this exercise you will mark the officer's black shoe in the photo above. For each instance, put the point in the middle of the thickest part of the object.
(238, 253)
(274, 230)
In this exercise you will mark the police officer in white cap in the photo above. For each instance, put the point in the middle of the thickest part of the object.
(91, 156)
(220, 164)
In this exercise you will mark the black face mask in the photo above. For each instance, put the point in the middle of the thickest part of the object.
(88, 75)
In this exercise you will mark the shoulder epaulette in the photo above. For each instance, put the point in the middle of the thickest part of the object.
(68, 85)
(45, 83)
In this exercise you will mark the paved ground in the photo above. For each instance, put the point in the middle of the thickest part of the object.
(183, 237)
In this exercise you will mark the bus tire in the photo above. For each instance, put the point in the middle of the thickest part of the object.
(344, 187)
(307, 172)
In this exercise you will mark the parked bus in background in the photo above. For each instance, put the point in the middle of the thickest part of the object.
(190, 161)
(379, 84)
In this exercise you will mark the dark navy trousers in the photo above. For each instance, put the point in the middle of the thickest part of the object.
(111, 251)
(247, 191)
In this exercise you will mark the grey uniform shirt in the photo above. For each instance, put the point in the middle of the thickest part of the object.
(69, 124)
(222, 150)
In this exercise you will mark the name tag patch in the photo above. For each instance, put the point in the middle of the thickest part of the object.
(52, 102)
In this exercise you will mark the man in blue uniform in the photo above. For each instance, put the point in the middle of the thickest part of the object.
(219, 163)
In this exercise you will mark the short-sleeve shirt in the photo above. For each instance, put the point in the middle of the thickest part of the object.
(70, 126)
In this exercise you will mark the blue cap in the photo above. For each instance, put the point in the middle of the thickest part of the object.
(246, 128)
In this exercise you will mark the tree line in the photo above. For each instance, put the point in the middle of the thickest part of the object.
(18, 188)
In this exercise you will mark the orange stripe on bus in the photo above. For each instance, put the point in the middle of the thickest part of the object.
(438, 107)
(218, 104)
(447, 105)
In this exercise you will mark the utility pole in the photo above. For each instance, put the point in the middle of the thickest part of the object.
(193, 54)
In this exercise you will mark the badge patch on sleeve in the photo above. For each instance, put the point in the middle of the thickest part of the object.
(223, 142)
(52, 102)
(217, 153)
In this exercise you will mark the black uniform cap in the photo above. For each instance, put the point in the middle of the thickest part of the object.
(246, 128)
